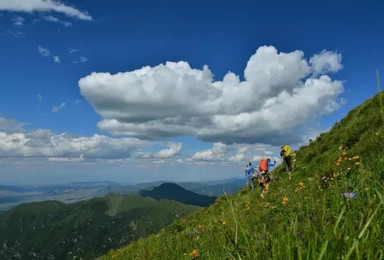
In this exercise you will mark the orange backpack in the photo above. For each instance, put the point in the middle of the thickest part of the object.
(263, 166)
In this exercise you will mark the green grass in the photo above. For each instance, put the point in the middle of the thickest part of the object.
(317, 221)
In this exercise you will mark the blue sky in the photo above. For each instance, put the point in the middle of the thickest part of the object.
(87, 93)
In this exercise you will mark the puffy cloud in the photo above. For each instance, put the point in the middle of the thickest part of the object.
(53, 19)
(217, 153)
(173, 150)
(44, 51)
(65, 147)
(235, 154)
(280, 92)
(10, 125)
(325, 62)
(56, 109)
(30, 6)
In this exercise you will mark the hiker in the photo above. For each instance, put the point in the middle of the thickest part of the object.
(289, 158)
(251, 174)
(264, 175)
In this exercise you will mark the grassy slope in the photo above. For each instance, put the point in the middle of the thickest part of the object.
(317, 221)
(84, 229)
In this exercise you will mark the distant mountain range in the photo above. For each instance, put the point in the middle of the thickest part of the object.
(172, 191)
(11, 196)
(86, 229)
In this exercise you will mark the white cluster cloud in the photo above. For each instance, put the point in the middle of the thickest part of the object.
(218, 153)
(235, 154)
(10, 125)
(81, 59)
(280, 92)
(56, 59)
(173, 150)
(65, 147)
(18, 21)
(53, 19)
(56, 109)
(30, 6)
(325, 62)
(44, 51)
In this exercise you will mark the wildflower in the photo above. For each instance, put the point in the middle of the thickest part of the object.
(194, 253)
(197, 238)
(301, 184)
(350, 158)
(201, 227)
(338, 164)
(344, 153)
(215, 221)
(299, 234)
(367, 189)
(296, 190)
(349, 195)
(334, 175)
(224, 223)
(323, 178)
(356, 157)
(285, 199)
(284, 202)
(357, 163)
(310, 217)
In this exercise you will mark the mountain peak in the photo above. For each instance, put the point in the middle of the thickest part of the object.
(172, 191)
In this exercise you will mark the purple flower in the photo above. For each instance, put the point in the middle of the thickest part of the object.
(299, 234)
(323, 178)
(349, 195)
(310, 217)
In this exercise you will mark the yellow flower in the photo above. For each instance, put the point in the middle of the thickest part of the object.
(197, 238)
(224, 223)
(285, 199)
(334, 175)
(337, 164)
(357, 163)
(344, 153)
(301, 184)
(296, 190)
(194, 253)
(356, 157)
(284, 202)
(215, 221)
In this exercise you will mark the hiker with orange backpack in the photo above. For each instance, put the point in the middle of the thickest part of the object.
(264, 179)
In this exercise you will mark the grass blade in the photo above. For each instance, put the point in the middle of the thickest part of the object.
(323, 249)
